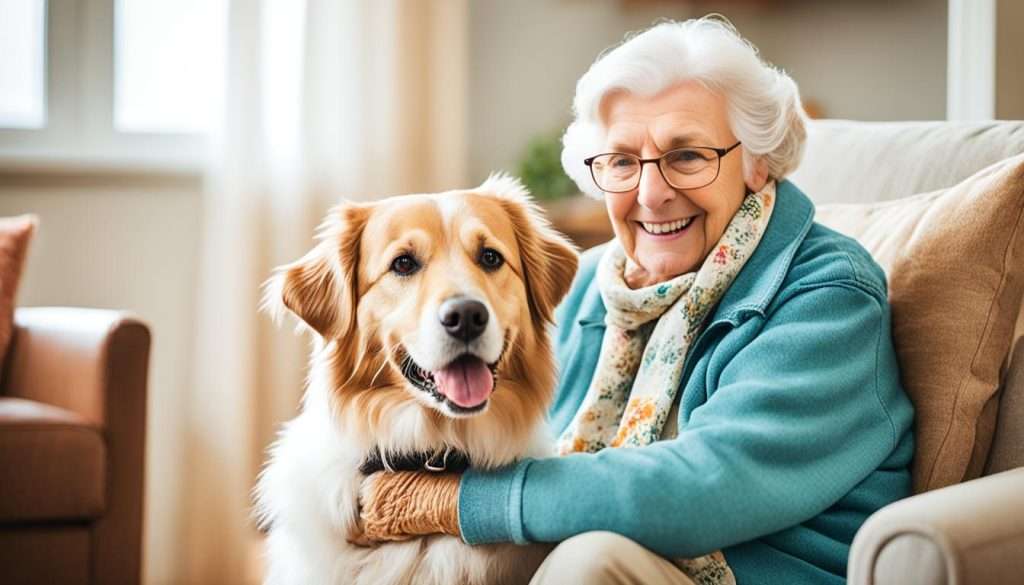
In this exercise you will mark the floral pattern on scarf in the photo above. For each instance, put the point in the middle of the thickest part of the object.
(648, 334)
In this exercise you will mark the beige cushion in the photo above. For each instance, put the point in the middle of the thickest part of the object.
(1008, 441)
(955, 264)
(892, 160)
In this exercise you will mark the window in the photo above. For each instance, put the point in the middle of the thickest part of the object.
(22, 42)
(167, 56)
(115, 83)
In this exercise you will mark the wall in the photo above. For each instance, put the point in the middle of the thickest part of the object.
(1009, 60)
(867, 60)
(124, 242)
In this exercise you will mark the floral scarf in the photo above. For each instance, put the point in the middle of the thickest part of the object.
(648, 334)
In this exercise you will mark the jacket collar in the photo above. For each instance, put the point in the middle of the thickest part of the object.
(759, 280)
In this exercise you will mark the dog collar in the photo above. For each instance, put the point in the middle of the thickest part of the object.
(442, 460)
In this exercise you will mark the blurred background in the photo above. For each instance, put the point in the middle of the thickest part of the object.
(175, 151)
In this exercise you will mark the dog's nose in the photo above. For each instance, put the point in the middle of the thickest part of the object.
(463, 318)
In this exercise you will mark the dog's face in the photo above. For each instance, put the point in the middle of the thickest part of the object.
(442, 299)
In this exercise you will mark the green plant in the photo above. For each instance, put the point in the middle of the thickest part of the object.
(541, 168)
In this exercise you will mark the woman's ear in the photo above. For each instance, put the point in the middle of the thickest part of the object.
(321, 288)
(755, 174)
(549, 259)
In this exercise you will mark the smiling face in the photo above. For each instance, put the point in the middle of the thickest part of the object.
(666, 231)
(438, 301)
(444, 289)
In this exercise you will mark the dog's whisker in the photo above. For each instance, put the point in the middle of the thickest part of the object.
(360, 357)
(383, 363)
(358, 364)
(511, 345)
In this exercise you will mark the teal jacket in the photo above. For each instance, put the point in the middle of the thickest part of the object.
(793, 424)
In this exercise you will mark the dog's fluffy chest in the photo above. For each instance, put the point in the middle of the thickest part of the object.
(308, 495)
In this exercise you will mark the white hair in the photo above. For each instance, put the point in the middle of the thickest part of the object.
(763, 102)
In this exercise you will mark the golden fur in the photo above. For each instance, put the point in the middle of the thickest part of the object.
(367, 319)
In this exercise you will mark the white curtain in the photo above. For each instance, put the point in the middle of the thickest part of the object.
(325, 99)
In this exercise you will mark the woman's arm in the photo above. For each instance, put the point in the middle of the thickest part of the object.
(802, 414)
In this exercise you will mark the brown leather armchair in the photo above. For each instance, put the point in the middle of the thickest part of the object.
(72, 446)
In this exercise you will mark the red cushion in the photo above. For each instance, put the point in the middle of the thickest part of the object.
(15, 235)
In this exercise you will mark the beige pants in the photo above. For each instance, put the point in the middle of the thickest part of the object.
(606, 558)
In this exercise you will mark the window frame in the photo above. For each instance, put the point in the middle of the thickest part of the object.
(79, 130)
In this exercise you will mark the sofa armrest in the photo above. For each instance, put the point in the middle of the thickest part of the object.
(95, 363)
(65, 357)
(964, 534)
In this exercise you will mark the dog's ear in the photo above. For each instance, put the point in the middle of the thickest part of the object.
(321, 288)
(549, 259)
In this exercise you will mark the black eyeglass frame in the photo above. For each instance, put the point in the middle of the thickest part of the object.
(721, 152)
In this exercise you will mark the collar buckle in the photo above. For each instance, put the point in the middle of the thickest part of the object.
(433, 465)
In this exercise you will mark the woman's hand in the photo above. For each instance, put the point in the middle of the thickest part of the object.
(403, 504)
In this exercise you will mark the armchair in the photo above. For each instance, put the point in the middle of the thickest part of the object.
(72, 444)
(971, 532)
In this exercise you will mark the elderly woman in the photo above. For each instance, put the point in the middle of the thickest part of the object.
(743, 351)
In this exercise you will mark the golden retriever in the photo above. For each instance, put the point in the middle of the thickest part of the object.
(430, 316)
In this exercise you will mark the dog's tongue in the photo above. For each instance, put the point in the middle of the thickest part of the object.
(467, 381)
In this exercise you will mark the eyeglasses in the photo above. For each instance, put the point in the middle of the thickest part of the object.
(692, 167)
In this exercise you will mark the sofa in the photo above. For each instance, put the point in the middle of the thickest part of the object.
(72, 445)
(971, 531)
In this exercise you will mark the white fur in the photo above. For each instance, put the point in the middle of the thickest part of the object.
(308, 495)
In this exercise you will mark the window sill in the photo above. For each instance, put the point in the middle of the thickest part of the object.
(18, 170)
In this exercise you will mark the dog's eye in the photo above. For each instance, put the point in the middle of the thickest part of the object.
(491, 259)
(404, 265)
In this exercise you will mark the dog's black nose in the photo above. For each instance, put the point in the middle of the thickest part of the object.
(463, 318)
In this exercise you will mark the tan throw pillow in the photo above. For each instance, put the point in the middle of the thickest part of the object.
(955, 265)
(15, 235)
